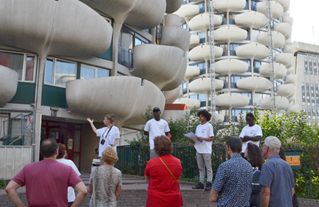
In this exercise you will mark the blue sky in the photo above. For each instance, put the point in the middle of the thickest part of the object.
(305, 15)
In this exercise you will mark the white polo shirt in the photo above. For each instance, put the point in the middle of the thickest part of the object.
(204, 131)
(110, 139)
(155, 129)
(252, 131)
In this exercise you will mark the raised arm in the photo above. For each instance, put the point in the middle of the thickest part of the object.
(91, 123)
(80, 196)
(11, 190)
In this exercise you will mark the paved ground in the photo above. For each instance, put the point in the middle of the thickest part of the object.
(134, 194)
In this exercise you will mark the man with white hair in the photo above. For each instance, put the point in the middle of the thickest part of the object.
(276, 177)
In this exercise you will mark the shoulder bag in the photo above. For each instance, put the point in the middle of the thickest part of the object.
(170, 172)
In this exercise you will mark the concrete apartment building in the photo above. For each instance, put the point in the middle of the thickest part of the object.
(306, 69)
(62, 61)
(241, 51)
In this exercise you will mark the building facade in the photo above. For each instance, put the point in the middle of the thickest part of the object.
(63, 61)
(306, 69)
(241, 56)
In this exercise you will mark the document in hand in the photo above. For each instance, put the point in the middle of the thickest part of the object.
(193, 137)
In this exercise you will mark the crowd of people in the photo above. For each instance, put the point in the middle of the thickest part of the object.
(243, 180)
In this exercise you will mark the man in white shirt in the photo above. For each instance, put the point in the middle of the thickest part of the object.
(250, 133)
(205, 134)
(154, 128)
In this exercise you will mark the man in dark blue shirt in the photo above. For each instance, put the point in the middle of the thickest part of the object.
(276, 177)
(232, 185)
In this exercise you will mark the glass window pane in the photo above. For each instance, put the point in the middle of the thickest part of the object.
(48, 72)
(30, 68)
(12, 61)
(77, 138)
(102, 73)
(64, 72)
(87, 73)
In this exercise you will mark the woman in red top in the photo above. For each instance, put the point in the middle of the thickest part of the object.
(163, 188)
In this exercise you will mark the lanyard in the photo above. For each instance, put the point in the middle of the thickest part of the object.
(107, 132)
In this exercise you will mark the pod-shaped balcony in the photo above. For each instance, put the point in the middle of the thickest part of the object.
(254, 84)
(286, 59)
(281, 103)
(194, 41)
(201, 22)
(276, 9)
(231, 66)
(278, 39)
(127, 97)
(202, 52)
(202, 85)
(187, 11)
(172, 95)
(290, 49)
(287, 19)
(192, 71)
(283, 28)
(251, 19)
(175, 36)
(53, 29)
(285, 4)
(293, 108)
(8, 84)
(232, 100)
(291, 78)
(173, 5)
(288, 41)
(172, 20)
(165, 66)
(290, 70)
(286, 90)
(291, 98)
(191, 103)
(229, 5)
(230, 34)
(279, 69)
(252, 51)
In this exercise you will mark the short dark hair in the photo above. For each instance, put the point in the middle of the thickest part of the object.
(62, 150)
(254, 155)
(204, 113)
(234, 143)
(163, 145)
(48, 147)
(250, 115)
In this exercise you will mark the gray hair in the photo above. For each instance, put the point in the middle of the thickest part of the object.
(273, 143)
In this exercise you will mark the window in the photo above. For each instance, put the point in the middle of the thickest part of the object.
(58, 72)
(193, 97)
(306, 60)
(24, 64)
(308, 104)
(303, 103)
(202, 97)
(234, 79)
(202, 67)
(88, 72)
(302, 84)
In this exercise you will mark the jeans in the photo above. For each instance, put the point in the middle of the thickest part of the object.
(202, 161)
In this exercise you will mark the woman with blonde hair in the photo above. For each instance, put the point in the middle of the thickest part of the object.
(109, 135)
(163, 174)
(106, 181)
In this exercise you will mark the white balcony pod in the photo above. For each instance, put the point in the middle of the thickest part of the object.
(202, 52)
(286, 59)
(281, 103)
(192, 71)
(287, 18)
(284, 28)
(173, 5)
(230, 34)
(219, 117)
(293, 108)
(232, 100)
(171, 96)
(276, 9)
(254, 84)
(252, 51)
(201, 22)
(194, 41)
(290, 49)
(187, 11)
(278, 39)
(231, 66)
(251, 19)
(288, 41)
(279, 69)
(292, 78)
(290, 70)
(172, 20)
(8, 84)
(286, 90)
(291, 98)
(285, 4)
(202, 85)
(229, 5)
(191, 103)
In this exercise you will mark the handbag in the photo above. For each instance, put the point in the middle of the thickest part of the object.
(170, 172)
